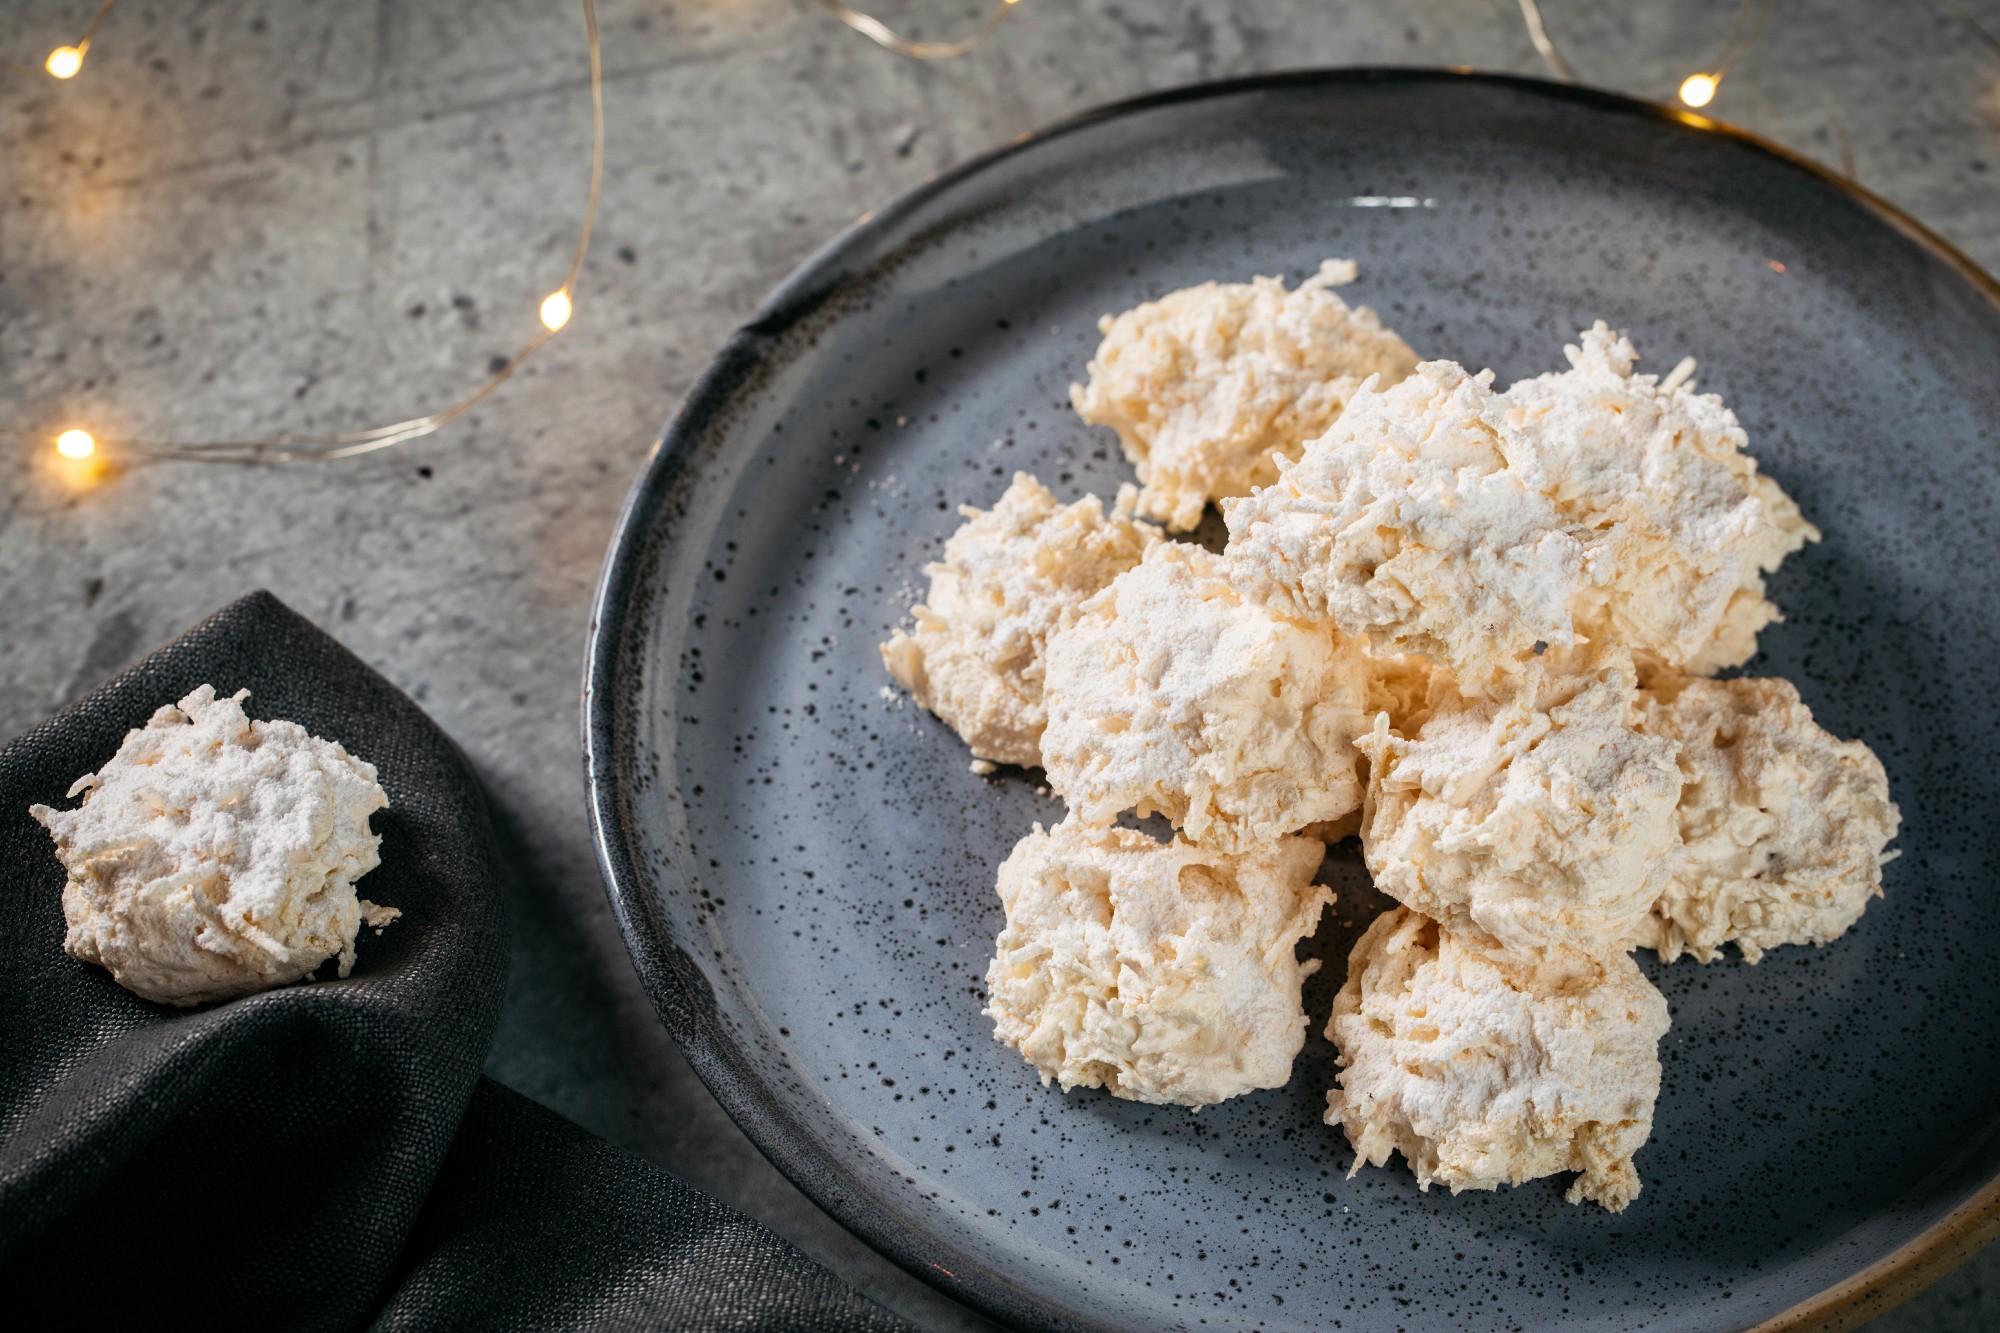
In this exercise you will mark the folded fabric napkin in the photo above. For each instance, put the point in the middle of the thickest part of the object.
(326, 1156)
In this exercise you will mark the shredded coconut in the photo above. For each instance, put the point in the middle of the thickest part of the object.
(1594, 505)
(1010, 576)
(1782, 826)
(1664, 466)
(1407, 688)
(1206, 384)
(1485, 1069)
(1541, 821)
(1422, 520)
(1162, 972)
(214, 856)
(1430, 625)
(1170, 694)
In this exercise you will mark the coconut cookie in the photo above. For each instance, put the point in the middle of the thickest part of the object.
(1204, 385)
(1782, 826)
(1171, 694)
(1010, 575)
(1162, 972)
(1665, 466)
(1486, 1070)
(1544, 821)
(214, 856)
(1423, 520)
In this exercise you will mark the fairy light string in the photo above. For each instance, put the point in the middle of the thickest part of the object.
(76, 443)
(1974, 26)
(65, 62)
(1697, 89)
(880, 33)
(1545, 47)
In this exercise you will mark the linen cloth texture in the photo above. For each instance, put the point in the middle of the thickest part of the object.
(326, 1156)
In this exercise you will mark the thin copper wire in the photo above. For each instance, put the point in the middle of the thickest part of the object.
(1743, 33)
(1733, 51)
(96, 22)
(875, 30)
(1545, 47)
(1846, 147)
(1729, 44)
(82, 46)
(302, 446)
(1974, 26)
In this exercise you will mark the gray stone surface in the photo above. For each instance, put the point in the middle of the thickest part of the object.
(256, 217)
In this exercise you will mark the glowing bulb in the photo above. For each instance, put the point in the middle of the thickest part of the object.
(1698, 89)
(64, 61)
(76, 444)
(555, 310)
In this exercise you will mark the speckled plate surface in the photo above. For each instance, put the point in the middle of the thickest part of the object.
(803, 867)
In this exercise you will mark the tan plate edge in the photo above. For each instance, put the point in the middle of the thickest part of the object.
(1899, 1275)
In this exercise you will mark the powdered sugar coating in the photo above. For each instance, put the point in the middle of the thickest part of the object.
(1593, 505)
(213, 856)
(1009, 577)
(1171, 694)
(1485, 1069)
(1541, 821)
(1205, 384)
(1423, 520)
(1782, 825)
(1665, 467)
(1162, 972)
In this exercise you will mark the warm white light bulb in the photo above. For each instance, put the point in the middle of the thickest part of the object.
(556, 310)
(1698, 89)
(64, 61)
(76, 444)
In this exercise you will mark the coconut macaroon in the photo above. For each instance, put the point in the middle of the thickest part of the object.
(1594, 505)
(1541, 821)
(1486, 1070)
(1782, 825)
(1205, 384)
(1170, 694)
(1162, 972)
(1423, 520)
(1010, 575)
(1663, 465)
(214, 856)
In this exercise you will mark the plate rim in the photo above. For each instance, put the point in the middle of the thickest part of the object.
(1861, 1296)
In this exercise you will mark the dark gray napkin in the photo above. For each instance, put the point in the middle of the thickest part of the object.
(320, 1156)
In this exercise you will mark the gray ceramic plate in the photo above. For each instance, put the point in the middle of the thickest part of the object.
(803, 867)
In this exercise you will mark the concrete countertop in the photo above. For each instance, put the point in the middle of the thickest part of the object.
(249, 218)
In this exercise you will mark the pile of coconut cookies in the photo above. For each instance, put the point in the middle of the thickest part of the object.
(1478, 628)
